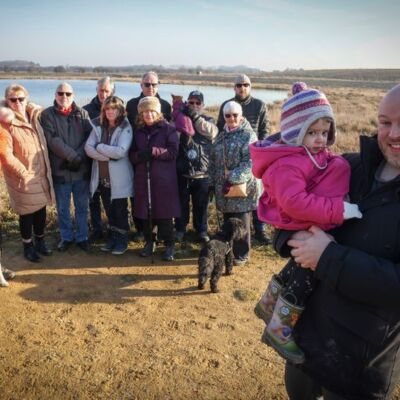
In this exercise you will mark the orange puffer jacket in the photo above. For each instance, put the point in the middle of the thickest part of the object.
(25, 161)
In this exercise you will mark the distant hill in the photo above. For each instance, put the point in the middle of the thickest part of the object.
(18, 65)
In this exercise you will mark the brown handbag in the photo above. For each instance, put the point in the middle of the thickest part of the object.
(239, 190)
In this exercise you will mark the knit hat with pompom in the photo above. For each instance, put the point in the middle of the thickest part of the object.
(305, 107)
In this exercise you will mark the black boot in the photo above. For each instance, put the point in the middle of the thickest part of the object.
(30, 252)
(148, 249)
(169, 252)
(41, 246)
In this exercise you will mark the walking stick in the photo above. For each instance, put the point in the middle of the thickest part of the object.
(149, 210)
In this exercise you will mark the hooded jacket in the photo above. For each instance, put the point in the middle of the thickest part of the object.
(297, 194)
(25, 161)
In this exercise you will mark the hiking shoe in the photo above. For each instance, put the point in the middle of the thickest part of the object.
(84, 245)
(63, 245)
(148, 249)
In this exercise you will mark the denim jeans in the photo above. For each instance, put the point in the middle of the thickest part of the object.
(80, 195)
(198, 190)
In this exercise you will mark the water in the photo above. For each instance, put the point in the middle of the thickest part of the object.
(41, 91)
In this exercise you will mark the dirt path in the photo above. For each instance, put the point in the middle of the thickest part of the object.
(97, 326)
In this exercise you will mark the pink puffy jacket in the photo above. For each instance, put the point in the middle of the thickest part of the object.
(297, 194)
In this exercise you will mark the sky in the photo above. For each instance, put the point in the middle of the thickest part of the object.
(265, 34)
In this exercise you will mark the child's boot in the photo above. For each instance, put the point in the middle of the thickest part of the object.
(30, 251)
(279, 332)
(265, 306)
(41, 247)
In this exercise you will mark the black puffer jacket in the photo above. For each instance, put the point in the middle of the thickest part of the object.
(254, 110)
(66, 137)
(350, 329)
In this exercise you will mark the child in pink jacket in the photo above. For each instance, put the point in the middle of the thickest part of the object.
(304, 184)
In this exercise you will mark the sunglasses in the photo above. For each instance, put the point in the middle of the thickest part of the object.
(195, 103)
(15, 99)
(239, 85)
(68, 94)
(148, 84)
(227, 116)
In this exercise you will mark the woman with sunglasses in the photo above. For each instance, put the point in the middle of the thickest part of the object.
(108, 145)
(26, 168)
(230, 165)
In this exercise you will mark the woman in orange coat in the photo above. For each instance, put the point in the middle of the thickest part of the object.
(26, 168)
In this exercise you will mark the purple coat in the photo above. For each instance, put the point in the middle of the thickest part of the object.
(163, 139)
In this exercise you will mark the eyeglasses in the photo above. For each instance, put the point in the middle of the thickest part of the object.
(195, 103)
(68, 94)
(227, 116)
(239, 85)
(148, 84)
(15, 99)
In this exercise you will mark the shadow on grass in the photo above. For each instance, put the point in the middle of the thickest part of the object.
(103, 288)
(96, 277)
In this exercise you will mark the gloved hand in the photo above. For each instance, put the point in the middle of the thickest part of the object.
(226, 187)
(351, 211)
(190, 112)
(211, 193)
(75, 163)
(145, 155)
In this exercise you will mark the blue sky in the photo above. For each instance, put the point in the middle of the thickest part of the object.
(267, 34)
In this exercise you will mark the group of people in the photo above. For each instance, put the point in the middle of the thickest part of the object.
(333, 311)
(106, 154)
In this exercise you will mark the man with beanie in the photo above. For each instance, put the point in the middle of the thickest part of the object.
(255, 111)
(192, 167)
(350, 330)
(67, 127)
(105, 88)
(149, 85)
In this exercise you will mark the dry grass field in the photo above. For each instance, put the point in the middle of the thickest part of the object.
(95, 326)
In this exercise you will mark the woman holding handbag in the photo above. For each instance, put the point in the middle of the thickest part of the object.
(236, 190)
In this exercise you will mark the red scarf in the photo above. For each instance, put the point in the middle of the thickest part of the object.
(65, 111)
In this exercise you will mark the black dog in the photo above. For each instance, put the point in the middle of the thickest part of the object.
(217, 253)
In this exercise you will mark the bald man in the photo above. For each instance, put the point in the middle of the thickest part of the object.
(350, 329)
(67, 127)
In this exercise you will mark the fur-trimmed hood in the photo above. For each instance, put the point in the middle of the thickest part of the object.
(7, 115)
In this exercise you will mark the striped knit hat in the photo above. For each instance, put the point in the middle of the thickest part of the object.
(306, 106)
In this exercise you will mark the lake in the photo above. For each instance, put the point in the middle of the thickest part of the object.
(41, 91)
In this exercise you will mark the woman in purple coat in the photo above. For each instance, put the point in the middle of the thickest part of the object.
(153, 155)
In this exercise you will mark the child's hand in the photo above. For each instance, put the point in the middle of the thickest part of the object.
(351, 211)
